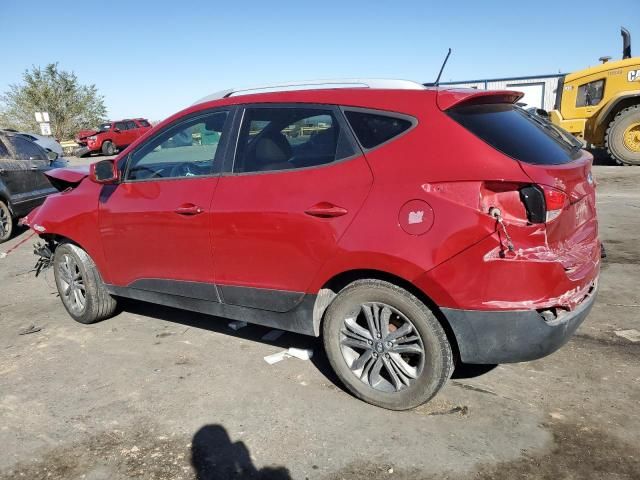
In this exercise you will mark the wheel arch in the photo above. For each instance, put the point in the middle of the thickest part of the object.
(336, 283)
(609, 112)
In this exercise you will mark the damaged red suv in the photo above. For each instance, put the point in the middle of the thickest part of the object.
(410, 227)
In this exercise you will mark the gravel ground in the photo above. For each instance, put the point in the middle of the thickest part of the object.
(157, 393)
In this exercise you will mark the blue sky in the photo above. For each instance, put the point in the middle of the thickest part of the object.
(153, 58)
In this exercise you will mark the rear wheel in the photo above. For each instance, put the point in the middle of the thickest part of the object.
(80, 286)
(386, 346)
(108, 148)
(6, 222)
(623, 136)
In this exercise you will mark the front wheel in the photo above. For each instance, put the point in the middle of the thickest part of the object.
(6, 222)
(80, 286)
(108, 148)
(386, 346)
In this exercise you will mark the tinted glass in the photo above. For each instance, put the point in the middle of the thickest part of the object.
(288, 138)
(4, 153)
(373, 129)
(512, 131)
(104, 126)
(590, 94)
(131, 125)
(26, 150)
(144, 123)
(184, 150)
(121, 125)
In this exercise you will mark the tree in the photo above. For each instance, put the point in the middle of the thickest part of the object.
(71, 106)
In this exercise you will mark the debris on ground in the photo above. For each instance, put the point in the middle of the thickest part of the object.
(275, 357)
(3, 254)
(29, 329)
(272, 335)
(631, 335)
(237, 325)
(300, 353)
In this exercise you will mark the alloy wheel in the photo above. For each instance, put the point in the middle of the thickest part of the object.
(5, 219)
(382, 347)
(72, 287)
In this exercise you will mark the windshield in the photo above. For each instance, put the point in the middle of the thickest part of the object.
(104, 126)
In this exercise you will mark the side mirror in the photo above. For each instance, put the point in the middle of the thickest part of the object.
(52, 156)
(104, 171)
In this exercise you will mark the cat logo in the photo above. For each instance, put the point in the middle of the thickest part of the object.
(633, 76)
(415, 217)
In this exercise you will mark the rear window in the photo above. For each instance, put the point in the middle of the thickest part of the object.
(374, 129)
(517, 134)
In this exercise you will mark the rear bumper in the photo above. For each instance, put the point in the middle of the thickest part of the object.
(508, 336)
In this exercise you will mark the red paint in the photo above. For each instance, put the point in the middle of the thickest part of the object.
(295, 230)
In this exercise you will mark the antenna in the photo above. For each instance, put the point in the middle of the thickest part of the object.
(435, 84)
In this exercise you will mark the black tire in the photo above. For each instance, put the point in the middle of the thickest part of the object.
(108, 148)
(614, 138)
(430, 373)
(72, 262)
(7, 222)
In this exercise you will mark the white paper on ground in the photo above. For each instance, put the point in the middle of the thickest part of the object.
(276, 357)
(301, 353)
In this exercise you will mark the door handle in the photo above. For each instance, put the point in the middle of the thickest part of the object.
(326, 210)
(189, 209)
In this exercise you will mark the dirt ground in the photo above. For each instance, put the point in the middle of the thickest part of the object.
(157, 393)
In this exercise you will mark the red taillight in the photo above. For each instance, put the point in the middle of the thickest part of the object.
(555, 201)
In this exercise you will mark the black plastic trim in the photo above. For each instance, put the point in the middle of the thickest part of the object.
(182, 288)
(509, 336)
(264, 299)
(298, 320)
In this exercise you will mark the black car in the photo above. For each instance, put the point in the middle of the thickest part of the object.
(23, 185)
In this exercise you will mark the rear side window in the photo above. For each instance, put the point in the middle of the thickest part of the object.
(143, 123)
(373, 129)
(131, 125)
(286, 138)
(515, 133)
(26, 150)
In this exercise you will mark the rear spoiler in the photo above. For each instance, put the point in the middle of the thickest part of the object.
(448, 99)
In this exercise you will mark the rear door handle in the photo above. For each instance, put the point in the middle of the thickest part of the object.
(189, 209)
(326, 210)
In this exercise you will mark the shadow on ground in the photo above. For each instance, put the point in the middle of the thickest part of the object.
(215, 457)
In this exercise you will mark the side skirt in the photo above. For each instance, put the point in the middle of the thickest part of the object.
(298, 319)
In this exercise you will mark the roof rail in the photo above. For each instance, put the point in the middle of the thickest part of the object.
(380, 83)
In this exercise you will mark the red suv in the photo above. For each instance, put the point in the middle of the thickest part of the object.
(111, 136)
(410, 227)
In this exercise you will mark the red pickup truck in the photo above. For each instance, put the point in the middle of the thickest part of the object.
(110, 137)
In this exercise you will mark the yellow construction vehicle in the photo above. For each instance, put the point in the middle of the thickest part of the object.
(601, 105)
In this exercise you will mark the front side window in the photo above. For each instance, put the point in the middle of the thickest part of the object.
(131, 125)
(26, 150)
(283, 138)
(590, 94)
(187, 149)
(121, 125)
(144, 123)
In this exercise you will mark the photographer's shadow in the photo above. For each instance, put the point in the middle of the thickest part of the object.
(215, 457)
